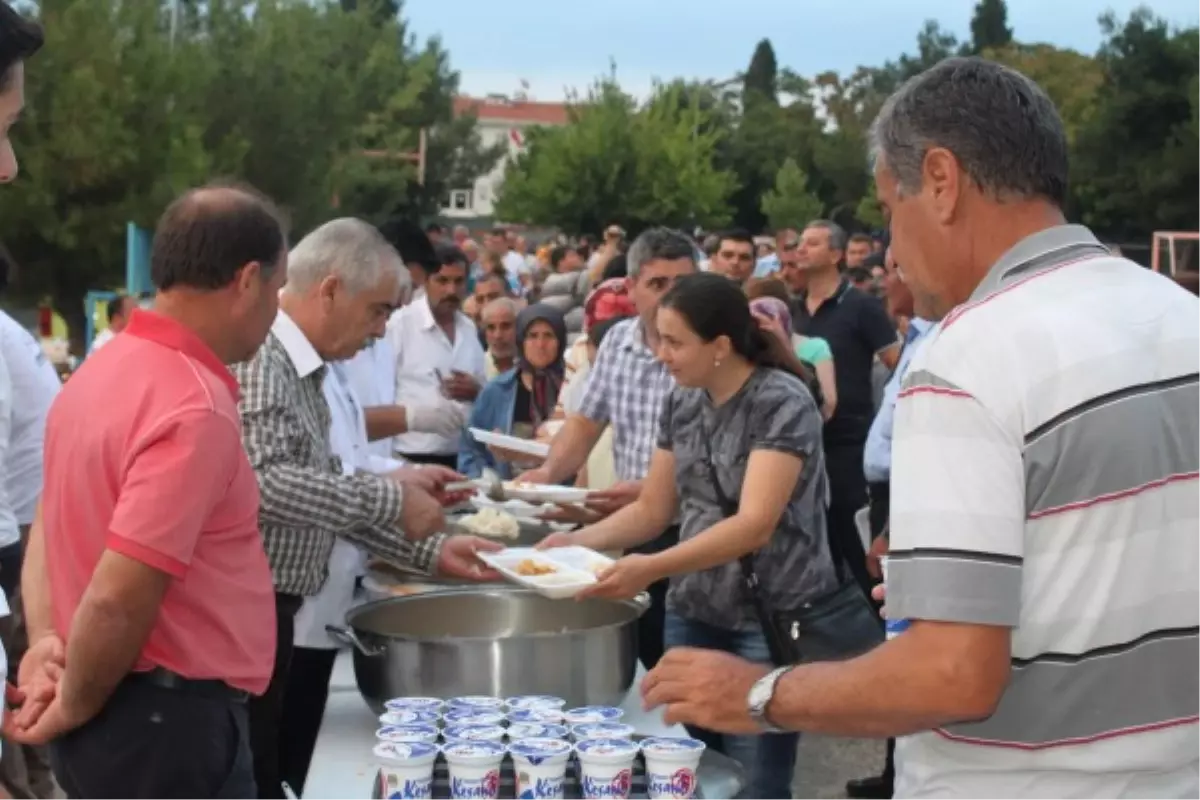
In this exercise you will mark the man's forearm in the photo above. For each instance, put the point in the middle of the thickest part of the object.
(632, 526)
(35, 583)
(390, 545)
(105, 640)
(572, 446)
(301, 497)
(908, 684)
(384, 422)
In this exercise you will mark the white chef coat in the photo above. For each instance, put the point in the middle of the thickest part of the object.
(422, 351)
(35, 384)
(372, 377)
(100, 339)
(348, 438)
(9, 532)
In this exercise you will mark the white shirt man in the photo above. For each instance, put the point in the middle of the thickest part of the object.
(36, 383)
(425, 356)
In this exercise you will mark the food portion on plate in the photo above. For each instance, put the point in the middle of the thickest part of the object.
(529, 568)
(491, 522)
(556, 573)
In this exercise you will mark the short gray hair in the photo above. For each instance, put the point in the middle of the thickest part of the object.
(506, 303)
(353, 250)
(1002, 128)
(837, 234)
(658, 244)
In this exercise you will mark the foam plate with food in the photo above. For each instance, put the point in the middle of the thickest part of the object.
(537, 571)
(519, 509)
(513, 443)
(583, 559)
(544, 493)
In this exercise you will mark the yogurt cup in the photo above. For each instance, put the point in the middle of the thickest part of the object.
(543, 715)
(474, 769)
(405, 769)
(540, 766)
(602, 730)
(409, 717)
(586, 714)
(536, 730)
(671, 766)
(535, 701)
(606, 768)
(476, 701)
(472, 716)
(474, 733)
(407, 733)
(431, 705)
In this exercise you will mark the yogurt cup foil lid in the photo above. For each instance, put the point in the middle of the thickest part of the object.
(539, 748)
(578, 716)
(536, 730)
(667, 746)
(477, 701)
(474, 750)
(551, 715)
(473, 716)
(603, 730)
(536, 701)
(406, 751)
(407, 733)
(409, 717)
(474, 733)
(414, 704)
(606, 747)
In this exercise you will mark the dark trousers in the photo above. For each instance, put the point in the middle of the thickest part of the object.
(450, 460)
(304, 708)
(652, 625)
(266, 710)
(848, 494)
(148, 741)
(10, 568)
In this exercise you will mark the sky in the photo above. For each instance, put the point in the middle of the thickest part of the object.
(557, 45)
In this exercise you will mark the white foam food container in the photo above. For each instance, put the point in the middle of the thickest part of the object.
(564, 581)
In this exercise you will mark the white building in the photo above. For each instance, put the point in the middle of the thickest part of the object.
(500, 119)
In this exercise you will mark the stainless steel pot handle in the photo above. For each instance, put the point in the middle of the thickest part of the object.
(348, 637)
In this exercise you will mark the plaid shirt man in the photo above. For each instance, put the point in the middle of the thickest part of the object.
(305, 499)
(626, 388)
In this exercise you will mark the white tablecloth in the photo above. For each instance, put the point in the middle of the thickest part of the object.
(342, 765)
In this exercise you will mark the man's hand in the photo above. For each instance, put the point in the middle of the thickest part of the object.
(57, 719)
(611, 500)
(38, 676)
(460, 386)
(458, 558)
(540, 476)
(421, 514)
(443, 419)
(569, 512)
(627, 578)
(879, 549)
(707, 688)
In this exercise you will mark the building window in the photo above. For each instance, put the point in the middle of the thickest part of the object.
(460, 200)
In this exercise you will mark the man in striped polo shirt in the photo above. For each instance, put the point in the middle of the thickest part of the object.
(1044, 485)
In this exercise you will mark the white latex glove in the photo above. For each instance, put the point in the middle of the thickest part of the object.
(443, 419)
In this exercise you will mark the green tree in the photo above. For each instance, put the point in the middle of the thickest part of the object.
(1136, 164)
(618, 161)
(1071, 79)
(790, 204)
(760, 83)
(989, 25)
(105, 139)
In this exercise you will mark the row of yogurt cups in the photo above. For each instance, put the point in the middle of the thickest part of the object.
(540, 765)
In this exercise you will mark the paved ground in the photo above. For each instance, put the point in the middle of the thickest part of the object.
(825, 764)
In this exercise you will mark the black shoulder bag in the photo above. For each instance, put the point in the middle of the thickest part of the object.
(836, 626)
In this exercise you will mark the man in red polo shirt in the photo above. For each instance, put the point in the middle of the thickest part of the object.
(158, 583)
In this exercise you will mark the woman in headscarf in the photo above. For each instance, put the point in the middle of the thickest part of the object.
(518, 401)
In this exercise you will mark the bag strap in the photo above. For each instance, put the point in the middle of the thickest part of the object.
(729, 508)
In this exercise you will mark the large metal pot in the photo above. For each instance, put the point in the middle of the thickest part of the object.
(493, 640)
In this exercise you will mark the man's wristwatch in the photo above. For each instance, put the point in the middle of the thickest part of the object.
(761, 694)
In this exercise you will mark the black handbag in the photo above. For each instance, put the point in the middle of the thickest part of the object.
(835, 626)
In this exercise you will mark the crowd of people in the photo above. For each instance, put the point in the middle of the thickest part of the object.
(182, 518)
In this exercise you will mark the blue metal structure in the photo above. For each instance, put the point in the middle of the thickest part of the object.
(137, 277)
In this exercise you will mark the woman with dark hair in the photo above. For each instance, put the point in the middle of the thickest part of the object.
(739, 463)
(518, 401)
